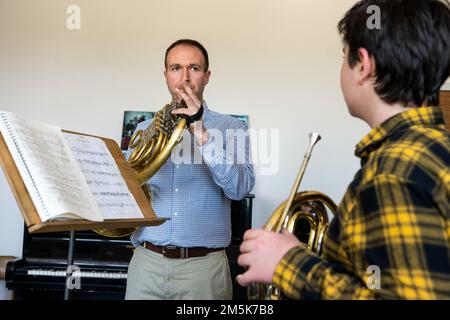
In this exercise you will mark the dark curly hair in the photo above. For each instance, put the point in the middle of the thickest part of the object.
(411, 49)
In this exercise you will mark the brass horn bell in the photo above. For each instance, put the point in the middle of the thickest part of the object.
(304, 214)
(150, 150)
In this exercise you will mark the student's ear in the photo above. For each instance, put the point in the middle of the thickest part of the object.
(366, 66)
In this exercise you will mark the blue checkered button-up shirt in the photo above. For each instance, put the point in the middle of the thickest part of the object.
(195, 186)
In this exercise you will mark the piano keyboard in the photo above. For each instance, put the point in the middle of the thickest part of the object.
(77, 273)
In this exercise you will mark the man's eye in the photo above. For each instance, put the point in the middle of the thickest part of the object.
(195, 68)
(175, 68)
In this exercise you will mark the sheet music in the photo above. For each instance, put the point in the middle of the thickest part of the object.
(49, 172)
(103, 177)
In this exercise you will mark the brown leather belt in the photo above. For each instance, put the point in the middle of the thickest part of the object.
(173, 252)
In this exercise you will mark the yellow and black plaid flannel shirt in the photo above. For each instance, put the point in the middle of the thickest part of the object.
(395, 215)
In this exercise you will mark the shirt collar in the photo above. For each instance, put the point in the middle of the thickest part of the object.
(422, 116)
(205, 110)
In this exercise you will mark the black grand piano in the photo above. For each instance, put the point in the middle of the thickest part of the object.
(102, 262)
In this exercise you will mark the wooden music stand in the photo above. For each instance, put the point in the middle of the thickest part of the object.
(34, 223)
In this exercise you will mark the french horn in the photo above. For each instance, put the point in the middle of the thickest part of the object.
(303, 214)
(151, 148)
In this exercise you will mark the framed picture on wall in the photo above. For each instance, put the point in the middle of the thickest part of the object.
(132, 118)
(130, 122)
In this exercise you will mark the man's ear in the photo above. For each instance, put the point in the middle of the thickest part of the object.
(366, 66)
(207, 75)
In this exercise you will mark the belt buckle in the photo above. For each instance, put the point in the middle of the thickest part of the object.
(165, 248)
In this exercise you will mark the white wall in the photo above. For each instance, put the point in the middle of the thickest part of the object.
(277, 61)
(11, 228)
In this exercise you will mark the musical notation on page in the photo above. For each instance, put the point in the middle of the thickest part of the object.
(50, 173)
(103, 177)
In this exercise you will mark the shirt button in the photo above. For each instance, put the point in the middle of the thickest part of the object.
(176, 190)
(178, 167)
(175, 213)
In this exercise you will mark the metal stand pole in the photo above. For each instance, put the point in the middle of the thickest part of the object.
(67, 287)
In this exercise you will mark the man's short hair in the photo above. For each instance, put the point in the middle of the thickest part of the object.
(411, 50)
(188, 42)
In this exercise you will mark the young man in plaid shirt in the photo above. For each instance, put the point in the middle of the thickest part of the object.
(395, 214)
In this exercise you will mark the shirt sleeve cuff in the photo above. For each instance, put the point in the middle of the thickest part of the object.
(291, 273)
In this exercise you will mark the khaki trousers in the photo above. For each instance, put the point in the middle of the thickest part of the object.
(153, 276)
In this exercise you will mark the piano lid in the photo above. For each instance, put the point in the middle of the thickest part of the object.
(90, 248)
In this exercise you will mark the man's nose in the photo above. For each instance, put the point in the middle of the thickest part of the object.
(185, 77)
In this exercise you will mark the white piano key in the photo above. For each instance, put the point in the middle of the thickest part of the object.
(78, 273)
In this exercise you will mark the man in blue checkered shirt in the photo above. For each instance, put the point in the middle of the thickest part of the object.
(184, 258)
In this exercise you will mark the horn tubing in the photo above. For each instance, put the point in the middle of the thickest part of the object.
(314, 138)
(154, 166)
